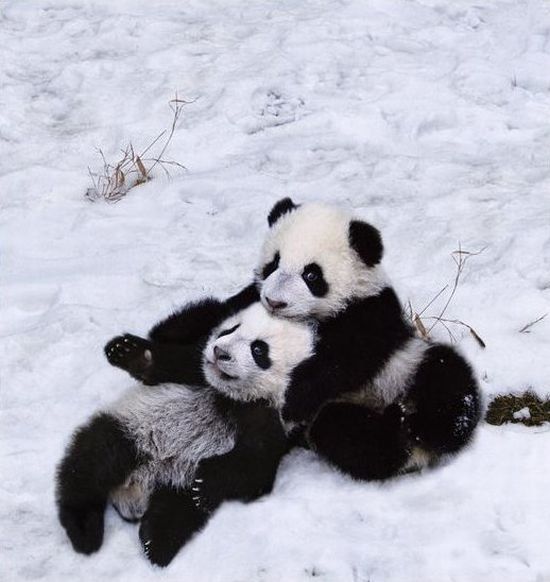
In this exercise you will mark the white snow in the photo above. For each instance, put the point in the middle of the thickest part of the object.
(523, 414)
(430, 118)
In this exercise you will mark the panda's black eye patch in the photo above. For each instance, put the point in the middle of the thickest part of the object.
(313, 277)
(271, 266)
(228, 331)
(260, 353)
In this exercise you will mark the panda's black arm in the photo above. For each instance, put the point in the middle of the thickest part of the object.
(352, 348)
(173, 352)
(248, 471)
(313, 382)
(197, 319)
(155, 363)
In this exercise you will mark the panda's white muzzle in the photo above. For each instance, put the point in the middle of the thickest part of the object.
(286, 295)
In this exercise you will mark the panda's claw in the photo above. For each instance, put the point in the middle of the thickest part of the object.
(199, 499)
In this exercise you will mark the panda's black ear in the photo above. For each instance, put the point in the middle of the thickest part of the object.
(282, 207)
(366, 242)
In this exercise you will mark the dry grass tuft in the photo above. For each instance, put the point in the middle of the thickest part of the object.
(425, 324)
(114, 180)
(502, 409)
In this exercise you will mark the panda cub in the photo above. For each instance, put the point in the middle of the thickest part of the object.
(142, 452)
(375, 399)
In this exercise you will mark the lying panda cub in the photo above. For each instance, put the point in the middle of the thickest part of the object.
(142, 452)
(374, 399)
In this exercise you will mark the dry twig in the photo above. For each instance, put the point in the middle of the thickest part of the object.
(527, 327)
(114, 181)
(460, 257)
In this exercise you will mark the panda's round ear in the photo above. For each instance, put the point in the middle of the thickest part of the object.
(282, 207)
(366, 242)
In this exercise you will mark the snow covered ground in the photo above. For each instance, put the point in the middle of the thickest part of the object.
(430, 118)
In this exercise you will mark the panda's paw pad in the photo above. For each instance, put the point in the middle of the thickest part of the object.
(131, 353)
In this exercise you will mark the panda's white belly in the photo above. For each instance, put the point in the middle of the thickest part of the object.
(393, 380)
(174, 427)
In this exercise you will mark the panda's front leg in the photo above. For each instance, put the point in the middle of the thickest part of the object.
(310, 386)
(168, 524)
(155, 363)
(248, 471)
(132, 354)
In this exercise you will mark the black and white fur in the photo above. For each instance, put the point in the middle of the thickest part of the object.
(375, 399)
(142, 452)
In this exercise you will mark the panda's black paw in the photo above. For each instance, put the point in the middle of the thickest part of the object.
(396, 414)
(156, 542)
(130, 353)
(300, 405)
(84, 526)
(168, 524)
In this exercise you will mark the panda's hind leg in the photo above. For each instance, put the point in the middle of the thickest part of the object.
(361, 442)
(169, 522)
(446, 402)
(100, 457)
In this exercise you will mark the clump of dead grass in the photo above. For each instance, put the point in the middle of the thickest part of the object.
(114, 180)
(502, 409)
(425, 323)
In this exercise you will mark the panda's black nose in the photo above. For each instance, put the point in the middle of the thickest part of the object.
(275, 304)
(220, 354)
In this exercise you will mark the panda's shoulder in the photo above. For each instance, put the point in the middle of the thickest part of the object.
(383, 306)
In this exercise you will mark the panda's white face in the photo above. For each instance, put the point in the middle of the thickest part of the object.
(308, 267)
(251, 355)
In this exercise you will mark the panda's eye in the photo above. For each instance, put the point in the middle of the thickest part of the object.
(260, 352)
(311, 276)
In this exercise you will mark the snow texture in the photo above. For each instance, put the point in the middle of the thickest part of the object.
(430, 118)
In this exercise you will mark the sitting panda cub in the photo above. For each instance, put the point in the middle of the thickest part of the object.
(142, 452)
(375, 399)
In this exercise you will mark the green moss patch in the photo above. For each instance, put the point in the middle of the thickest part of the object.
(527, 408)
